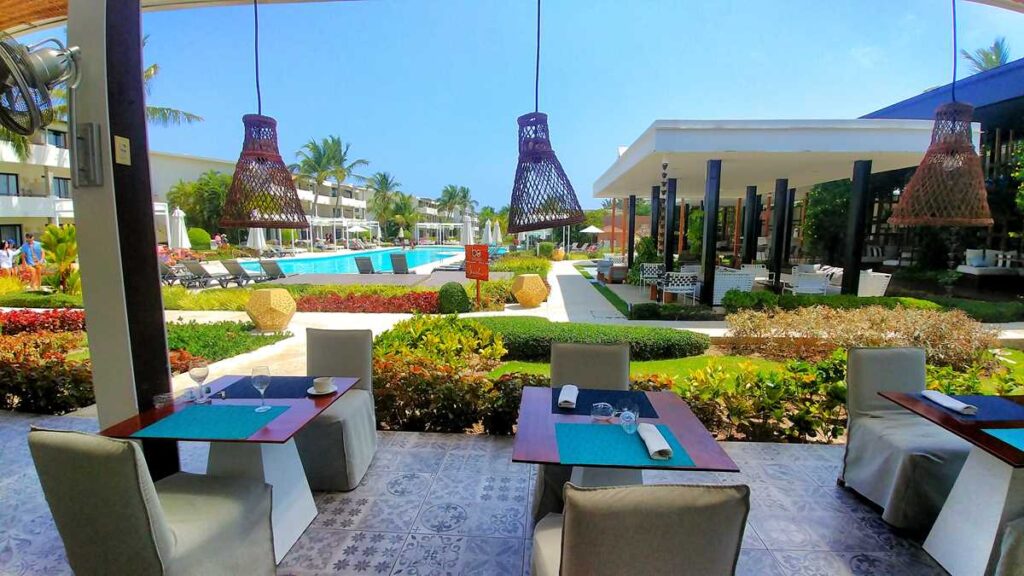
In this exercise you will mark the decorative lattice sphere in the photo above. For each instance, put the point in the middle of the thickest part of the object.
(271, 309)
(529, 290)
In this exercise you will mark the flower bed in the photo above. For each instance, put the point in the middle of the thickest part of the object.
(56, 320)
(522, 263)
(410, 302)
(36, 376)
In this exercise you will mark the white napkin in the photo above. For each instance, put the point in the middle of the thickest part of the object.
(951, 403)
(567, 397)
(657, 447)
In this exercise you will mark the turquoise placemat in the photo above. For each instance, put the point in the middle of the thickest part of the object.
(1012, 436)
(609, 445)
(211, 422)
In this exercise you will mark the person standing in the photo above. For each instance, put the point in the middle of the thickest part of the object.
(32, 259)
(7, 254)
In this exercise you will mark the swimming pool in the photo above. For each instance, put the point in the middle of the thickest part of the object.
(346, 263)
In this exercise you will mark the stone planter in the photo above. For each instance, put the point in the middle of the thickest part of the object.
(529, 290)
(271, 309)
(558, 255)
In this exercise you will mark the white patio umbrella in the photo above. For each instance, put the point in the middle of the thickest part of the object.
(177, 236)
(357, 229)
(497, 234)
(401, 232)
(467, 230)
(591, 230)
(257, 240)
(487, 233)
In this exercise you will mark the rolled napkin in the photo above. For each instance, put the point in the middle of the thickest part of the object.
(657, 447)
(567, 397)
(950, 403)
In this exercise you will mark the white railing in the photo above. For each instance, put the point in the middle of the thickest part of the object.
(39, 155)
(26, 206)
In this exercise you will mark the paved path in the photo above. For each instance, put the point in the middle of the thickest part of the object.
(574, 299)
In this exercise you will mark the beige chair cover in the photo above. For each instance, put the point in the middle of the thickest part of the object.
(114, 520)
(649, 530)
(338, 446)
(894, 458)
(605, 367)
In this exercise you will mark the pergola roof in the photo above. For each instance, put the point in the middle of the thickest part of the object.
(757, 152)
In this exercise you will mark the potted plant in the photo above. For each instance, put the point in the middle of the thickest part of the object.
(948, 279)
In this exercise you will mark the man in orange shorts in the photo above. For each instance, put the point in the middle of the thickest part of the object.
(32, 259)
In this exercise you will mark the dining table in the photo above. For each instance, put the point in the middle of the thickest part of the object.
(246, 443)
(988, 492)
(604, 453)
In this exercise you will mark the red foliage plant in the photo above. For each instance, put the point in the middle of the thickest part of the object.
(182, 360)
(28, 321)
(411, 302)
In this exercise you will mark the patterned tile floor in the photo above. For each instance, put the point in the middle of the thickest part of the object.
(436, 504)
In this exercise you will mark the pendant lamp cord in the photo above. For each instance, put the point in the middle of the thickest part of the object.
(956, 54)
(256, 49)
(536, 77)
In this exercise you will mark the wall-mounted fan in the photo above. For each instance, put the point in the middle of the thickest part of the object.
(28, 74)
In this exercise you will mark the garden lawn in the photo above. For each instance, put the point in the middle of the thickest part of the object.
(610, 296)
(676, 367)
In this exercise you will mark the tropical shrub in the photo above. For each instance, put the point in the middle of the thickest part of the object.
(530, 338)
(452, 299)
(494, 294)
(522, 263)
(35, 375)
(646, 253)
(10, 284)
(413, 392)
(410, 302)
(56, 320)
(950, 338)
(181, 360)
(61, 246)
(218, 340)
(739, 300)
(447, 339)
(546, 250)
(228, 299)
(199, 238)
(500, 406)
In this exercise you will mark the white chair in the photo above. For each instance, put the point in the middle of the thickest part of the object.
(896, 459)
(681, 284)
(760, 271)
(114, 519)
(338, 446)
(648, 530)
(873, 283)
(807, 283)
(727, 279)
(651, 274)
(690, 269)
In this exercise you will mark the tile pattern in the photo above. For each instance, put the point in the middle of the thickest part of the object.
(437, 504)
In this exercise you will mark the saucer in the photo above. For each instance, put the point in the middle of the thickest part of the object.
(312, 391)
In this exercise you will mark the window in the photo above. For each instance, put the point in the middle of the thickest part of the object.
(62, 187)
(8, 184)
(11, 232)
(57, 138)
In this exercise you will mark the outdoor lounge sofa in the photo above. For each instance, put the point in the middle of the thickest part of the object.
(894, 458)
(338, 446)
(649, 530)
(114, 519)
(982, 263)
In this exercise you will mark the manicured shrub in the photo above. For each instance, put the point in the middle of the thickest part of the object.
(217, 340)
(36, 377)
(40, 300)
(447, 339)
(522, 263)
(415, 393)
(56, 320)
(408, 303)
(500, 409)
(530, 338)
(738, 300)
(494, 294)
(851, 302)
(227, 299)
(199, 238)
(982, 311)
(655, 311)
(546, 249)
(452, 299)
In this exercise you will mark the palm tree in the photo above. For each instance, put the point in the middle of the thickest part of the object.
(344, 168)
(403, 211)
(466, 203)
(385, 192)
(988, 58)
(448, 202)
(21, 144)
(317, 163)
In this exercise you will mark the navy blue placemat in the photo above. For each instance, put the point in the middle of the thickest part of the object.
(990, 408)
(280, 387)
(589, 396)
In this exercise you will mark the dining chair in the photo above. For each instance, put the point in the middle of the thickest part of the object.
(807, 283)
(650, 274)
(600, 366)
(680, 283)
(114, 519)
(896, 459)
(338, 446)
(652, 530)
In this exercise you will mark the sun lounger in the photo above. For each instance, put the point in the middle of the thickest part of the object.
(203, 278)
(242, 274)
(169, 275)
(399, 264)
(364, 265)
(272, 269)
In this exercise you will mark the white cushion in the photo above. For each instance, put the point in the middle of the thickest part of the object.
(991, 256)
(985, 270)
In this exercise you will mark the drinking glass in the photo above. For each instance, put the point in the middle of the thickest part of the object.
(199, 371)
(260, 381)
(629, 414)
(601, 412)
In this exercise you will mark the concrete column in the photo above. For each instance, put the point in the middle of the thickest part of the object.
(655, 211)
(751, 223)
(778, 229)
(670, 213)
(631, 238)
(712, 188)
(860, 197)
(790, 207)
(685, 226)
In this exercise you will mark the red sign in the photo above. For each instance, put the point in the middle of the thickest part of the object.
(477, 267)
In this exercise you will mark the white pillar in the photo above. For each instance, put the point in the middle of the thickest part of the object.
(96, 218)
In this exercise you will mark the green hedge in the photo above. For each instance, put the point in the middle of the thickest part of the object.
(40, 300)
(199, 238)
(654, 311)
(996, 312)
(453, 299)
(217, 340)
(530, 338)
(522, 263)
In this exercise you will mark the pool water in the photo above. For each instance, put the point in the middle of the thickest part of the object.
(346, 263)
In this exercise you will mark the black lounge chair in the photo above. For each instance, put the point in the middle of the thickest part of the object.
(272, 269)
(399, 264)
(202, 277)
(169, 275)
(242, 274)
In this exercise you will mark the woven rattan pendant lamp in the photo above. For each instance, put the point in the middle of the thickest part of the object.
(948, 188)
(262, 193)
(542, 196)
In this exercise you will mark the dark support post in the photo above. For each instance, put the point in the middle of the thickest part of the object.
(790, 207)
(686, 226)
(670, 214)
(751, 219)
(655, 211)
(136, 230)
(778, 230)
(631, 238)
(860, 197)
(712, 187)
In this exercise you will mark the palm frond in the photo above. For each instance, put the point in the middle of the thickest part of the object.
(21, 145)
(163, 116)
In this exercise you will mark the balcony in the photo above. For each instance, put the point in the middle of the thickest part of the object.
(26, 206)
(40, 155)
(427, 210)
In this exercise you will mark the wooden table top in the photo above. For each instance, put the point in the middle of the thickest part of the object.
(535, 437)
(300, 412)
(969, 430)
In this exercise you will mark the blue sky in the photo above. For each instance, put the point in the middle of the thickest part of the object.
(430, 90)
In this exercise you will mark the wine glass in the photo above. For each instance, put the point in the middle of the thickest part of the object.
(199, 371)
(260, 381)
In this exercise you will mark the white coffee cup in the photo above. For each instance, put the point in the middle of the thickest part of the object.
(322, 385)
